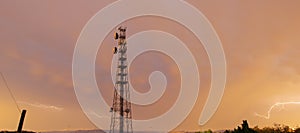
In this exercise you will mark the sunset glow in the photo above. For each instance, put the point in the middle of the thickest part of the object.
(260, 40)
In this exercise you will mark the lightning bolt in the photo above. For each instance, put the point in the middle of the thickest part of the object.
(278, 104)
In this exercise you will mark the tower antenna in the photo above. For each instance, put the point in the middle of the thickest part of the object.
(121, 109)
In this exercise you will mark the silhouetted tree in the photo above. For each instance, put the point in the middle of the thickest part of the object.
(297, 130)
(244, 129)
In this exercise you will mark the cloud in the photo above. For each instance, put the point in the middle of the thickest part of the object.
(42, 106)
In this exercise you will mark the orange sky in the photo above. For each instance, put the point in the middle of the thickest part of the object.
(260, 41)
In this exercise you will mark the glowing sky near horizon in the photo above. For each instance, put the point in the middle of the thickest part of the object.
(260, 39)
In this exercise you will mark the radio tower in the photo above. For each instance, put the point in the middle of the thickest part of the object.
(121, 108)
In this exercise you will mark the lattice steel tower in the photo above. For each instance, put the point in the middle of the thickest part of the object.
(121, 109)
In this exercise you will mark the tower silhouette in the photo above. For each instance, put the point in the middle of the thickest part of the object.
(121, 118)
